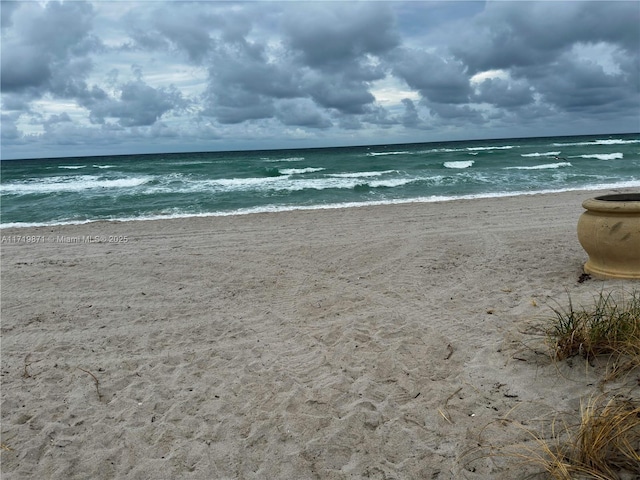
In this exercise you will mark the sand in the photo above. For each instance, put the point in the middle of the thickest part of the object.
(399, 341)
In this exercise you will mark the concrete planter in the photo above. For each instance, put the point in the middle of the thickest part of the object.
(609, 231)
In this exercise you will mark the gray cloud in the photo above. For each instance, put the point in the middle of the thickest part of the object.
(362, 72)
(410, 118)
(504, 93)
(520, 34)
(438, 79)
(329, 36)
(9, 130)
(182, 28)
(48, 53)
(340, 94)
(138, 105)
(301, 113)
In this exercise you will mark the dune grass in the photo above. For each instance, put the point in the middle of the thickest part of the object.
(607, 439)
(604, 444)
(611, 327)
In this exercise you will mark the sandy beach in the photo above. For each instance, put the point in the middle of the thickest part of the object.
(387, 342)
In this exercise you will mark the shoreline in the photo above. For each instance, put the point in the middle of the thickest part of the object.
(401, 340)
(338, 206)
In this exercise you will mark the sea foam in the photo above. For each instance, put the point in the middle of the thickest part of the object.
(604, 156)
(72, 184)
(299, 171)
(541, 167)
(460, 164)
(536, 154)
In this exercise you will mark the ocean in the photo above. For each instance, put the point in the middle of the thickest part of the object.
(138, 187)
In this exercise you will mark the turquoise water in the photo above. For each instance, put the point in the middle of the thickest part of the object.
(82, 189)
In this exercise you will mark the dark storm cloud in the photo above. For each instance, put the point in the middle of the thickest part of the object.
(518, 34)
(182, 27)
(504, 93)
(329, 36)
(48, 52)
(245, 67)
(301, 114)
(235, 107)
(138, 105)
(584, 87)
(326, 56)
(24, 67)
(341, 94)
(153, 70)
(242, 84)
(410, 118)
(438, 79)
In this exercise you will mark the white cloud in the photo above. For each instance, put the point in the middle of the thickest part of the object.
(489, 74)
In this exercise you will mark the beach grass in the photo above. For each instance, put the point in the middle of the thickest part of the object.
(610, 327)
(603, 445)
(604, 442)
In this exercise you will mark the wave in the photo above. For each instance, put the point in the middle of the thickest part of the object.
(72, 184)
(391, 183)
(469, 150)
(377, 154)
(239, 183)
(545, 154)
(285, 159)
(541, 167)
(477, 149)
(461, 164)
(361, 174)
(280, 183)
(186, 163)
(613, 141)
(299, 171)
(72, 167)
(603, 156)
(103, 166)
(332, 206)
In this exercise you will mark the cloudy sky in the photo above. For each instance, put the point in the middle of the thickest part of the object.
(115, 77)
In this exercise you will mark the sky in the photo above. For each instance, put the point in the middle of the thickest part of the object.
(120, 77)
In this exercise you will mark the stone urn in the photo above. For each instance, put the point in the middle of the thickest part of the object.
(609, 231)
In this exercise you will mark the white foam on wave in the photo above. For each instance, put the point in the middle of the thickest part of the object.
(604, 156)
(343, 183)
(541, 167)
(333, 206)
(612, 141)
(229, 184)
(299, 171)
(103, 166)
(286, 182)
(476, 149)
(72, 167)
(442, 150)
(378, 154)
(72, 184)
(361, 174)
(460, 164)
(543, 154)
(391, 183)
(185, 163)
